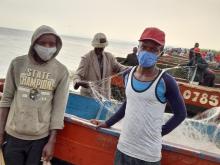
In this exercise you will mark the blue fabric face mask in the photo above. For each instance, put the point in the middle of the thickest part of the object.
(147, 59)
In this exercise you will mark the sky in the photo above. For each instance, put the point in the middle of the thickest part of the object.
(184, 21)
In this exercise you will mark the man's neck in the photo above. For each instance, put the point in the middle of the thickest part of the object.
(146, 74)
(142, 70)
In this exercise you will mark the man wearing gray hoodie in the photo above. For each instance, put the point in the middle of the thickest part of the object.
(33, 101)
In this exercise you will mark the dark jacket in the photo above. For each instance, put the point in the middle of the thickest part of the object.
(131, 60)
(191, 54)
(201, 64)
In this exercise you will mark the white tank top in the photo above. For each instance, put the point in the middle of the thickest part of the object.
(142, 124)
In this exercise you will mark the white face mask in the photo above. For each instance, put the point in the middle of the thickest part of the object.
(44, 53)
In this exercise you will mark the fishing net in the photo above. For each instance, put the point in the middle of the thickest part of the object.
(201, 132)
(208, 123)
(196, 128)
(117, 84)
(118, 90)
(210, 116)
(117, 94)
(187, 73)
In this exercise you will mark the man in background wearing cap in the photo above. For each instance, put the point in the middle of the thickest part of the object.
(204, 75)
(191, 51)
(34, 100)
(95, 66)
(148, 89)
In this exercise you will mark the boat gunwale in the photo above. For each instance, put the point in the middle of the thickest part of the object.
(200, 87)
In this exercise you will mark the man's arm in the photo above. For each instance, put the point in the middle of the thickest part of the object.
(59, 103)
(80, 74)
(177, 105)
(6, 100)
(112, 120)
(117, 116)
(48, 150)
(117, 67)
(9, 88)
(3, 118)
(57, 115)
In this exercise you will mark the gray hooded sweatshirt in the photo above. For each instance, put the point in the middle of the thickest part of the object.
(36, 93)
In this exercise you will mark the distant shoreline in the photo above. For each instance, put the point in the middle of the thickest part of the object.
(72, 36)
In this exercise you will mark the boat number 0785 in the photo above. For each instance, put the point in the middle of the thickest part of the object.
(203, 98)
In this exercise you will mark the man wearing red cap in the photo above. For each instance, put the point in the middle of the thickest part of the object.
(204, 75)
(148, 89)
(191, 51)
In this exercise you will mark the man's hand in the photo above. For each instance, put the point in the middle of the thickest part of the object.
(81, 83)
(48, 151)
(98, 123)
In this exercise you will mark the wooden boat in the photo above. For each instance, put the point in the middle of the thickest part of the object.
(173, 59)
(170, 63)
(81, 143)
(176, 59)
(165, 64)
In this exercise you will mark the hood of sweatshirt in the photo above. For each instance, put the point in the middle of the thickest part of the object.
(38, 33)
